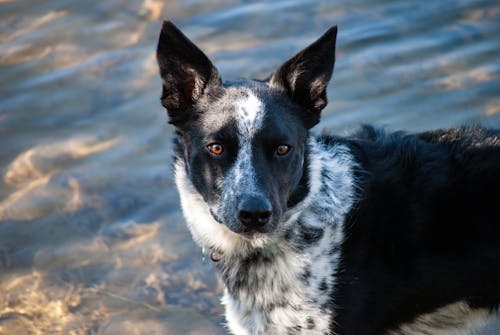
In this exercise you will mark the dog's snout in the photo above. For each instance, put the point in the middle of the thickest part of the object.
(254, 211)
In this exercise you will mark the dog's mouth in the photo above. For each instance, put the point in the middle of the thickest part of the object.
(216, 217)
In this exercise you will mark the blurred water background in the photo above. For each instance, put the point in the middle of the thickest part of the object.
(91, 237)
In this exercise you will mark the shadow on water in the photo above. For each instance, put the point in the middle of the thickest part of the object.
(91, 237)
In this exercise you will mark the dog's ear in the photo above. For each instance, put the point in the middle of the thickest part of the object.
(305, 76)
(186, 72)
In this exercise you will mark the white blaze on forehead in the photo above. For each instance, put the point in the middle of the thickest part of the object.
(249, 115)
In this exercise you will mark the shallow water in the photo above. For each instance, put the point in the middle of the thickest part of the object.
(91, 237)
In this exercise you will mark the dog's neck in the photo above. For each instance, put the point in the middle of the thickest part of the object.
(273, 284)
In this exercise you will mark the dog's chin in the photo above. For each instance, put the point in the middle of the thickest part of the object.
(251, 235)
(256, 239)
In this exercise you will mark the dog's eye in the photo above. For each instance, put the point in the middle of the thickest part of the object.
(282, 149)
(216, 149)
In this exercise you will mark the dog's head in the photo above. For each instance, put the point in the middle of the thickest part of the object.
(244, 143)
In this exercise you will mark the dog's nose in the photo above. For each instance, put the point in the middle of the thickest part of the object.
(254, 211)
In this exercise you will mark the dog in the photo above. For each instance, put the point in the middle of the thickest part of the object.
(371, 233)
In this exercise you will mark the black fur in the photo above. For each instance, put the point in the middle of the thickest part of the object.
(306, 75)
(187, 74)
(426, 230)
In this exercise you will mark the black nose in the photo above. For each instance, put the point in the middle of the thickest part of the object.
(254, 211)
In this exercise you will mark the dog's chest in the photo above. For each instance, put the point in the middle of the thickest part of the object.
(284, 291)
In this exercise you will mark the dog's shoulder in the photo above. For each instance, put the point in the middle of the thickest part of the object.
(433, 158)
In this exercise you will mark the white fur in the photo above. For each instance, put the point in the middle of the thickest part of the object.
(245, 312)
(249, 114)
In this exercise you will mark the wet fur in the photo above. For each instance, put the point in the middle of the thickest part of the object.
(374, 233)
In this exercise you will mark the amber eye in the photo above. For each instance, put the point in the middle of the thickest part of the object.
(282, 149)
(216, 149)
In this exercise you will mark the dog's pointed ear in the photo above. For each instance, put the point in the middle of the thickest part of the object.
(305, 76)
(186, 72)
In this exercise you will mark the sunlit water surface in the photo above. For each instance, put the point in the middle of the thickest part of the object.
(91, 237)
